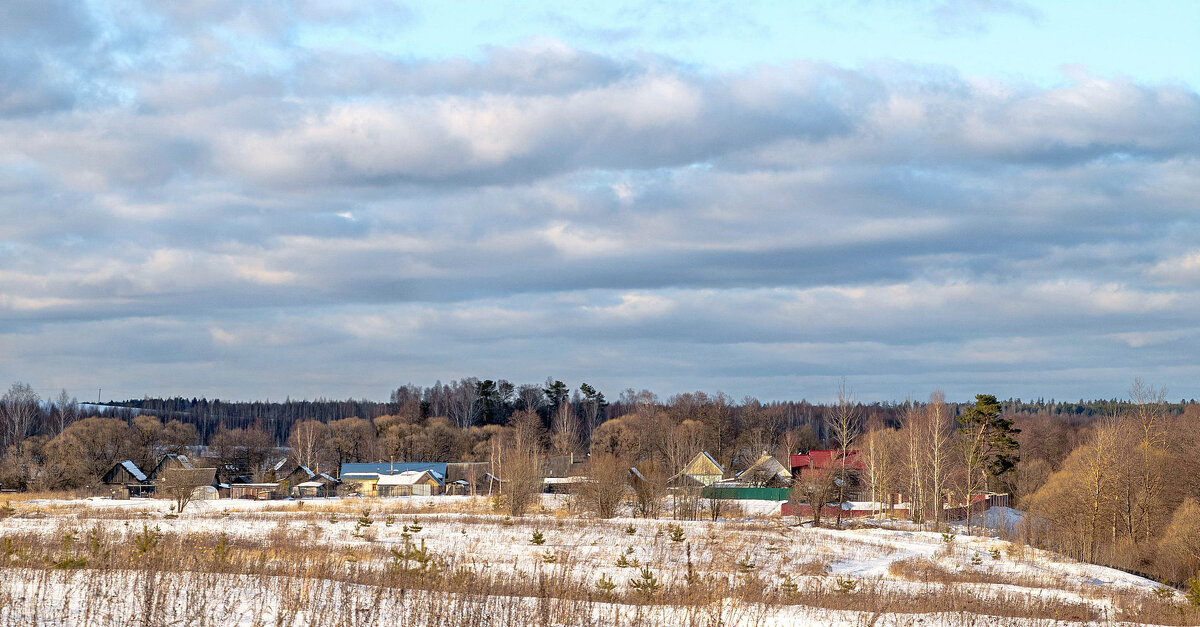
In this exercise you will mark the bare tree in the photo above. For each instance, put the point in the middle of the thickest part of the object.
(1097, 461)
(939, 432)
(971, 443)
(879, 457)
(20, 407)
(844, 426)
(914, 429)
(517, 462)
(352, 440)
(465, 403)
(531, 396)
(180, 485)
(66, 408)
(565, 437)
(521, 480)
(606, 485)
(309, 441)
(1147, 415)
(649, 483)
(815, 488)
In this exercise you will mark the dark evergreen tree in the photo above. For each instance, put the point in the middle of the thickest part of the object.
(999, 451)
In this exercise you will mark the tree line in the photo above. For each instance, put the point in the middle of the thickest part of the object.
(1107, 481)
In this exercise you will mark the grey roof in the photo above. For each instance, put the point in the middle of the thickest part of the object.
(189, 476)
(134, 470)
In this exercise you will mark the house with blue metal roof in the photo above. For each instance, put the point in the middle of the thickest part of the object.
(363, 478)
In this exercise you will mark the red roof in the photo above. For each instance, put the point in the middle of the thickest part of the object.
(826, 459)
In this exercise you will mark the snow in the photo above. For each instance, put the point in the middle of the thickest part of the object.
(134, 470)
(466, 531)
(1000, 520)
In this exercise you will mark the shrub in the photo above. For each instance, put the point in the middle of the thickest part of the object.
(537, 538)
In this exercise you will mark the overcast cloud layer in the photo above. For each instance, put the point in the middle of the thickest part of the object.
(202, 202)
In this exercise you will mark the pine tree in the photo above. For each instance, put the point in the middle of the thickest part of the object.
(998, 450)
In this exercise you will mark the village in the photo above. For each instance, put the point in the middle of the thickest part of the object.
(810, 477)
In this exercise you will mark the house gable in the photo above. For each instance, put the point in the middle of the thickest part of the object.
(703, 465)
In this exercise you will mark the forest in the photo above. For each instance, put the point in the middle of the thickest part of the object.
(1105, 481)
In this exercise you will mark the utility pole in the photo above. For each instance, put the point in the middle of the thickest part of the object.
(98, 395)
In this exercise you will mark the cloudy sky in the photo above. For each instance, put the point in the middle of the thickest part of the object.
(309, 199)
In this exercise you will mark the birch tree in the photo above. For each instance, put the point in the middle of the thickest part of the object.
(939, 431)
(844, 426)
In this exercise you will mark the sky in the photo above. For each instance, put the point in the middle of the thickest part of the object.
(330, 199)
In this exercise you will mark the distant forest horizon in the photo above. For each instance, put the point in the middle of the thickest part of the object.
(500, 399)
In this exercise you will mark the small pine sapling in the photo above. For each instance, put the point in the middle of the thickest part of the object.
(676, 533)
(630, 530)
(745, 566)
(646, 583)
(994, 552)
(788, 586)
(605, 584)
(1193, 590)
(538, 539)
(846, 584)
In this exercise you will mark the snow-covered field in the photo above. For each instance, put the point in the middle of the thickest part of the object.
(452, 561)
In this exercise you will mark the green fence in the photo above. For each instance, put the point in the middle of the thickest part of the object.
(757, 494)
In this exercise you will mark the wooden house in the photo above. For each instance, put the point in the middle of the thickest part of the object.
(818, 460)
(296, 476)
(126, 480)
(202, 482)
(363, 478)
(411, 483)
(167, 462)
(321, 485)
(765, 472)
(702, 470)
(470, 478)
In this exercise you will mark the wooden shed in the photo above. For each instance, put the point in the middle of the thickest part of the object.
(254, 491)
(126, 480)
